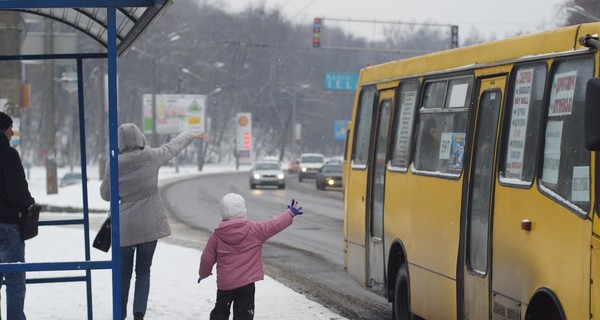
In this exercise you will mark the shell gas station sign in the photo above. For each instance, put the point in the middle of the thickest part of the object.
(244, 138)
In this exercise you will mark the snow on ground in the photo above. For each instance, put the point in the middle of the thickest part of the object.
(174, 292)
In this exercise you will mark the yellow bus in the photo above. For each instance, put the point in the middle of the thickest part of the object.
(469, 180)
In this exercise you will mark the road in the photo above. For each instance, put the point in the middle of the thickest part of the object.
(307, 256)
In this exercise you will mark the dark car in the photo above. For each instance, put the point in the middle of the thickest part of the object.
(70, 178)
(330, 175)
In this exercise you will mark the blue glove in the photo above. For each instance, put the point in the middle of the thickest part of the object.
(294, 209)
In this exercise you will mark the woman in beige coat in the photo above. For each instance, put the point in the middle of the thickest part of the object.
(142, 216)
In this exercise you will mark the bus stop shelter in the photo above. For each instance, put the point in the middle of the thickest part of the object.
(115, 24)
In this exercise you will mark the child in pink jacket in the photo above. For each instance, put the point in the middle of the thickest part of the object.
(236, 247)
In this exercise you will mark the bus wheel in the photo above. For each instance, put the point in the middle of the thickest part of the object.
(401, 304)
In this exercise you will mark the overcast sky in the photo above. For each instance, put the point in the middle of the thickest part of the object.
(490, 18)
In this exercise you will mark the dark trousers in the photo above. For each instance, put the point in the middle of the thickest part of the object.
(242, 299)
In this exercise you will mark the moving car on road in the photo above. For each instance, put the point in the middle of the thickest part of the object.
(310, 163)
(70, 178)
(329, 176)
(267, 173)
(294, 166)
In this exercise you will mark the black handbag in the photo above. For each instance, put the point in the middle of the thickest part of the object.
(28, 221)
(103, 239)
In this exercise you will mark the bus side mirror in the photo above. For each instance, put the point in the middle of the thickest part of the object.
(592, 115)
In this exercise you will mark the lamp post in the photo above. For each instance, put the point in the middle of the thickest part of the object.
(293, 93)
(172, 37)
(68, 80)
(201, 152)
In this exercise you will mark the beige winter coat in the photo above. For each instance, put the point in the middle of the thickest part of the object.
(142, 215)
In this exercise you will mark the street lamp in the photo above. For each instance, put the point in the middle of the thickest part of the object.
(293, 93)
(172, 37)
(581, 11)
(201, 150)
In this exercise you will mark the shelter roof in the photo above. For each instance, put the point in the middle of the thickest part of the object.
(89, 16)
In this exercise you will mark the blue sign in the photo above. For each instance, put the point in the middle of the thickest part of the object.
(340, 81)
(339, 129)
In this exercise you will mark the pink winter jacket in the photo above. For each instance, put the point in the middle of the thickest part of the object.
(236, 247)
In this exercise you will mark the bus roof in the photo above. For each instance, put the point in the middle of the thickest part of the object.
(493, 52)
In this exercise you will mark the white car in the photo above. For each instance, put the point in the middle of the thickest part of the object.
(267, 173)
(310, 163)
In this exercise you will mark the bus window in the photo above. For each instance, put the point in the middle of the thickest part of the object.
(566, 165)
(362, 131)
(435, 93)
(403, 124)
(459, 93)
(526, 93)
(441, 134)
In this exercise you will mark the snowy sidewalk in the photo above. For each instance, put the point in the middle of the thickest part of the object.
(174, 293)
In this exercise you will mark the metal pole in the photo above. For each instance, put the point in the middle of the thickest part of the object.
(293, 126)
(50, 132)
(154, 137)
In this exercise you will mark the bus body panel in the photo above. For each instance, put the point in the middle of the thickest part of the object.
(432, 270)
(434, 224)
(595, 292)
(545, 257)
(435, 295)
(356, 224)
(479, 212)
(550, 41)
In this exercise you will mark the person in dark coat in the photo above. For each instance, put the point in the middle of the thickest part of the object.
(14, 199)
(142, 216)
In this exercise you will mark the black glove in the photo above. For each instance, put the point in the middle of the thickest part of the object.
(294, 209)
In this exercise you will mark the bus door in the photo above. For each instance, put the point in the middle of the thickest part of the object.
(376, 194)
(476, 267)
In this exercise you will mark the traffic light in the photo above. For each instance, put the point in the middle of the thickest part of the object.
(317, 33)
(454, 36)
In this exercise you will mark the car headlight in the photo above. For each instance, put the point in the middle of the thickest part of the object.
(256, 176)
(280, 176)
(303, 169)
(330, 182)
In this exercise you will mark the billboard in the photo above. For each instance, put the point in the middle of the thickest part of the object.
(175, 113)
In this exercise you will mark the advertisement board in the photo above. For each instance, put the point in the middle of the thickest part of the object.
(174, 113)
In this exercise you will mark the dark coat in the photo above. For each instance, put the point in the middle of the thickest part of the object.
(14, 190)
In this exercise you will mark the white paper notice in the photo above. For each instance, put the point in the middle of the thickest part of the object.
(518, 124)
(580, 186)
(458, 96)
(445, 145)
(552, 152)
(563, 92)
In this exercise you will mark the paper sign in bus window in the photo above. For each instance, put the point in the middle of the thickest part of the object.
(458, 95)
(457, 152)
(562, 94)
(518, 123)
(552, 151)
(407, 108)
(445, 146)
(580, 186)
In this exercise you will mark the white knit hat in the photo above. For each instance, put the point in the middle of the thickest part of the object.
(233, 206)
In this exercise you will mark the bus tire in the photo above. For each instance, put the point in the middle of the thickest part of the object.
(401, 303)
